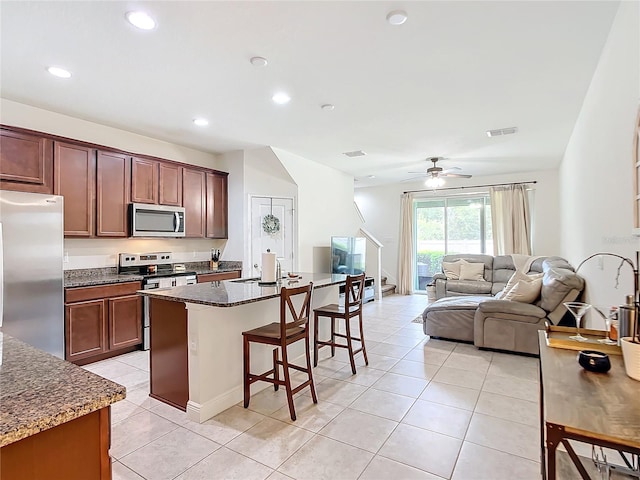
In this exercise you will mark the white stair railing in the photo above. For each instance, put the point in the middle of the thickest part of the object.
(378, 246)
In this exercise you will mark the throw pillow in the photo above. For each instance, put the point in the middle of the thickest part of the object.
(452, 269)
(524, 291)
(515, 278)
(472, 271)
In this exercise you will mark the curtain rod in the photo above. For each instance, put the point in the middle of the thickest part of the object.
(474, 186)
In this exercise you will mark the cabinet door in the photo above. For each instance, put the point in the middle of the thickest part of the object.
(193, 201)
(85, 329)
(144, 180)
(112, 170)
(125, 321)
(170, 184)
(26, 162)
(74, 179)
(217, 205)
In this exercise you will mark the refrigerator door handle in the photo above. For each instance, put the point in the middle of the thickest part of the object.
(1, 278)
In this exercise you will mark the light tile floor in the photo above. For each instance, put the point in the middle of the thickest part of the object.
(422, 409)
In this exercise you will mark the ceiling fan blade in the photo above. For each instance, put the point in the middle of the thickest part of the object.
(451, 169)
(455, 175)
(419, 173)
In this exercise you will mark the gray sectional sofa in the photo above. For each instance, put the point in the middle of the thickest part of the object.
(467, 310)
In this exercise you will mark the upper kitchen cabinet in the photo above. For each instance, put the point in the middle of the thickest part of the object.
(170, 184)
(26, 162)
(217, 205)
(194, 202)
(144, 180)
(112, 198)
(75, 179)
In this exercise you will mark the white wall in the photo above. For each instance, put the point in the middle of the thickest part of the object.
(596, 175)
(325, 208)
(90, 253)
(380, 207)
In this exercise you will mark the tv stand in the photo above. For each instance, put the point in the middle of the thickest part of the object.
(369, 290)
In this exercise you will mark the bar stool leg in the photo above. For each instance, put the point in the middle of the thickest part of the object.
(333, 336)
(276, 369)
(364, 348)
(315, 339)
(287, 382)
(245, 356)
(347, 327)
(313, 388)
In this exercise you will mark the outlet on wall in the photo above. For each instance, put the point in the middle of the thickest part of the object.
(194, 254)
(66, 257)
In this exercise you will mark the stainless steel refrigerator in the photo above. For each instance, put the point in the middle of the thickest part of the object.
(31, 278)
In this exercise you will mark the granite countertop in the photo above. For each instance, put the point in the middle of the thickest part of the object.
(88, 277)
(39, 391)
(230, 293)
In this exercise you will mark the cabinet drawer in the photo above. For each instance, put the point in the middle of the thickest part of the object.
(81, 294)
(216, 277)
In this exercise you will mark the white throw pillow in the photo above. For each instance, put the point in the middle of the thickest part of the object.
(524, 291)
(515, 278)
(452, 269)
(472, 271)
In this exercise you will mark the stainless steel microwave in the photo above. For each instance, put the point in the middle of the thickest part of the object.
(156, 220)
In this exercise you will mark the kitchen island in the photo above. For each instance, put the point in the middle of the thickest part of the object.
(54, 416)
(196, 338)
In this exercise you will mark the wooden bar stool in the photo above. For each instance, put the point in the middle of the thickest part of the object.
(353, 292)
(282, 334)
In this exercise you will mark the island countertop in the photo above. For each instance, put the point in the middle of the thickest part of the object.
(230, 293)
(39, 391)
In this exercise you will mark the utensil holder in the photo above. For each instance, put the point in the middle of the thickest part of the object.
(631, 356)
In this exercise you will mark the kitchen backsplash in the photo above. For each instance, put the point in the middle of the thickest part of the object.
(103, 252)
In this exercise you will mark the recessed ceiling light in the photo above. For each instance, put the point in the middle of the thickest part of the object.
(371, 176)
(141, 20)
(59, 72)
(281, 98)
(397, 17)
(502, 131)
(258, 61)
(355, 153)
(327, 106)
(201, 122)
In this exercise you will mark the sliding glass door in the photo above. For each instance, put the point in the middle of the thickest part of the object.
(449, 225)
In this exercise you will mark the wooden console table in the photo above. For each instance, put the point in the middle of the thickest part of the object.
(600, 409)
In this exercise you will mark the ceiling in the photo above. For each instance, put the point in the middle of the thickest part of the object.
(429, 87)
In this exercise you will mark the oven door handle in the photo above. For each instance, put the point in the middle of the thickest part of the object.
(176, 221)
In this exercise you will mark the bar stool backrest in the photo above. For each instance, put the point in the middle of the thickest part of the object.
(300, 317)
(353, 292)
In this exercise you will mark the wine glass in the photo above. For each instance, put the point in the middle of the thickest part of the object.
(607, 323)
(577, 309)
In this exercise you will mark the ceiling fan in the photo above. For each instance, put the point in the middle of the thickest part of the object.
(435, 174)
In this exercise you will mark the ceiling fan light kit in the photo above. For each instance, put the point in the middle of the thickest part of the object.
(434, 182)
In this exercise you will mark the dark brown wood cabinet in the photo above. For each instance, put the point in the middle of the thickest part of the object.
(144, 180)
(75, 179)
(26, 162)
(217, 198)
(86, 329)
(125, 321)
(217, 277)
(112, 194)
(102, 320)
(170, 184)
(194, 201)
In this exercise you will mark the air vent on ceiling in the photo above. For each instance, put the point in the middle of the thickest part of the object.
(355, 153)
(502, 131)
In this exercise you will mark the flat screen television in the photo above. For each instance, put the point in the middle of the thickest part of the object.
(348, 255)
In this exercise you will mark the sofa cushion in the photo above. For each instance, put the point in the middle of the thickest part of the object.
(557, 283)
(513, 281)
(467, 302)
(468, 287)
(525, 291)
(471, 271)
(474, 258)
(511, 308)
(451, 269)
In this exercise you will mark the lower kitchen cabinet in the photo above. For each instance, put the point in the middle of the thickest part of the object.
(102, 321)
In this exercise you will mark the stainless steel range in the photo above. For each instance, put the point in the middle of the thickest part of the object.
(158, 271)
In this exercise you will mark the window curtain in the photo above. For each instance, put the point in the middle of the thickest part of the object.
(407, 235)
(511, 220)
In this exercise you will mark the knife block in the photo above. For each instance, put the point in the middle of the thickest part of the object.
(213, 265)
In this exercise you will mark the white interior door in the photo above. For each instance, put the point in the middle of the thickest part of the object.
(275, 234)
